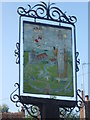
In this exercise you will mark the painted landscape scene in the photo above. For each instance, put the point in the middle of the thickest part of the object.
(48, 63)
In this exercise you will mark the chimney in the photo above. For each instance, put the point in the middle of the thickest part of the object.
(86, 98)
(22, 109)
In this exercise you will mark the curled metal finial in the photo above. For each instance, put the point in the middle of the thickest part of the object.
(47, 12)
(77, 61)
(72, 19)
(17, 53)
(14, 96)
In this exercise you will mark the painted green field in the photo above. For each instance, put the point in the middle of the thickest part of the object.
(41, 78)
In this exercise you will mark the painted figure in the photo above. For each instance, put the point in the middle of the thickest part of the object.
(62, 59)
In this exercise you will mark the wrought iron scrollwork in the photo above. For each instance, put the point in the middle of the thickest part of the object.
(47, 12)
(32, 111)
(65, 112)
(15, 97)
(77, 61)
(80, 102)
(17, 53)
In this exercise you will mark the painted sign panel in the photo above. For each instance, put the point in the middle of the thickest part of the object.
(48, 63)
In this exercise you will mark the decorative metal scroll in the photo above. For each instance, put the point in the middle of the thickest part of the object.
(80, 102)
(65, 112)
(77, 61)
(17, 53)
(46, 12)
(15, 96)
(32, 110)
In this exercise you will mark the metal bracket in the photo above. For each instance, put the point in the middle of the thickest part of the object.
(77, 61)
(31, 109)
(80, 102)
(46, 12)
(34, 111)
(65, 112)
(17, 53)
(15, 96)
